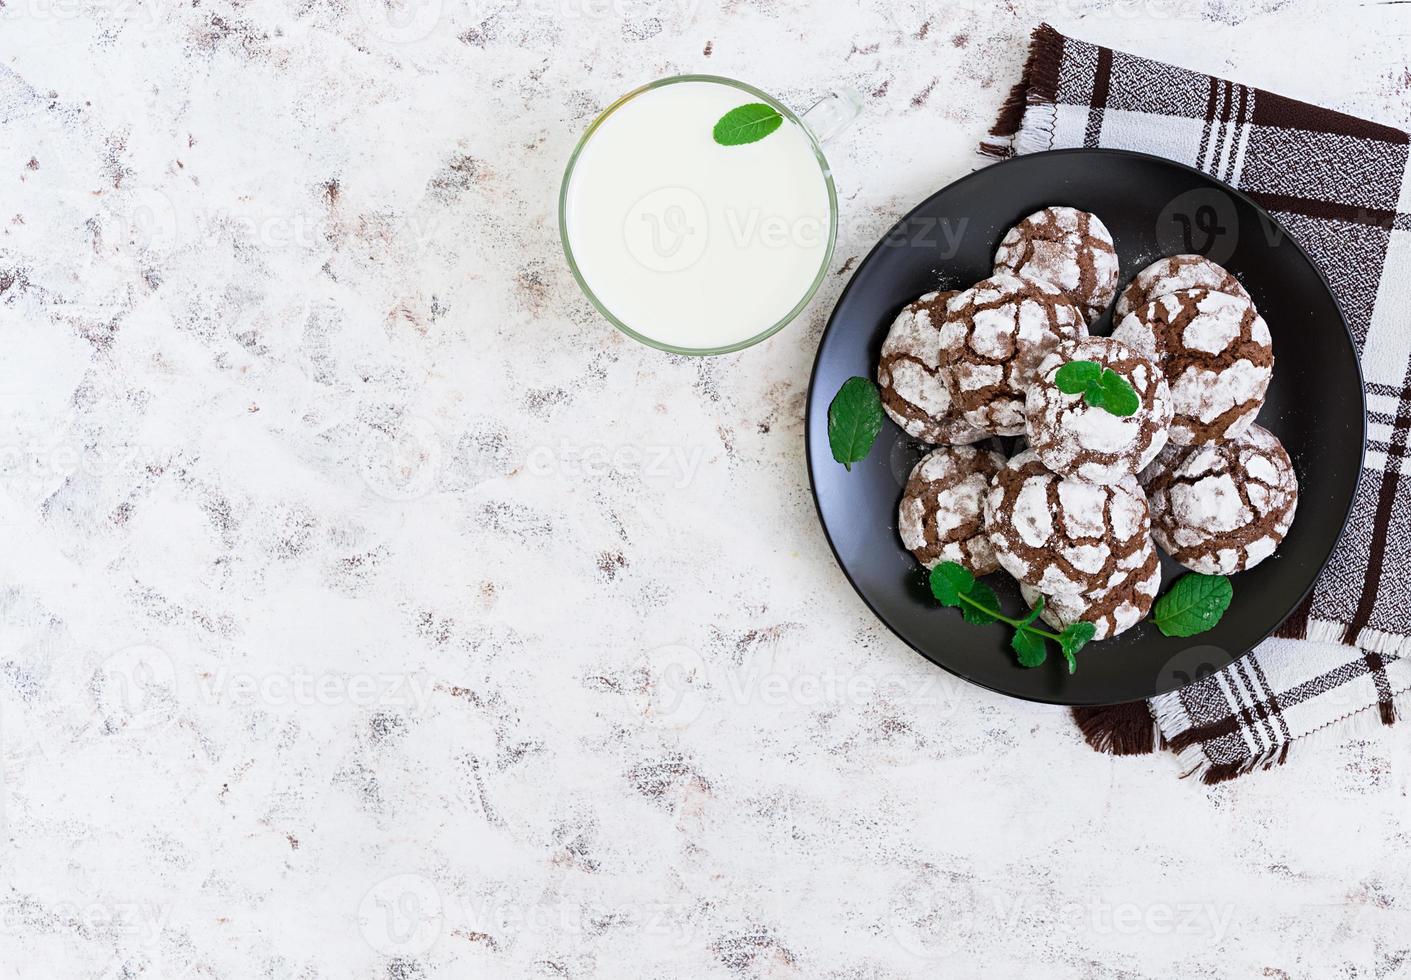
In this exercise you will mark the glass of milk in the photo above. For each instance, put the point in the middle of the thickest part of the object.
(691, 246)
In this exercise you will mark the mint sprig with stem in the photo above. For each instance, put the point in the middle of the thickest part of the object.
(953, 585)
(1101, 387)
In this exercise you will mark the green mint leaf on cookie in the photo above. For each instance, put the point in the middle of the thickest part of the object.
(1030, 646)
(854, 419)
(1118, 396)
(949, 581)
(1075, 376)
(747, 124)
(1194, 604)
(1100, 387)
(982, 601)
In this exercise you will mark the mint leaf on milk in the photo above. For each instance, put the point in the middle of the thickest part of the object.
(747, 124)
(854, 419)
(1194, 604)
(1100, 387)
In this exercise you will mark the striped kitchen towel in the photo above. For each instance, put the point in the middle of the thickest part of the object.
(1342, 188)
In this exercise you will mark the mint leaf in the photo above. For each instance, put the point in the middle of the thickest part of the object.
(1194, 604)
(1030, 647)
(953, 585)
(1075, 637)
(983, 595)
(1100, 387)
(1118, 396)
(854, 419)
(951, 580)
(1034, 612)
(747, 124)
(1075, 376)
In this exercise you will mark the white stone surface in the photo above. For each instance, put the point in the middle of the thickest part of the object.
(372, 609)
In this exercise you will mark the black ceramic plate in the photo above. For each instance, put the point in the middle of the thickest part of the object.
(1153, 207)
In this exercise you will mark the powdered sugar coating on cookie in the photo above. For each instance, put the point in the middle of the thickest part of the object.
(1062, 535)
(915, 382)
(1076, 439)
(993, 336)
(1217, 355)
(1111, 611)
(941, 517)
(1071, 249)
(1225, 507)
(1173, 274)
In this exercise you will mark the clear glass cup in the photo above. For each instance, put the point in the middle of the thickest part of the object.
(827, 118)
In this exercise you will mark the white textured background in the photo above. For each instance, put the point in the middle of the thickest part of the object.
(371, 609)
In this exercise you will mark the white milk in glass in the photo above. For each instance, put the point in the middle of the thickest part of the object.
(689, 243)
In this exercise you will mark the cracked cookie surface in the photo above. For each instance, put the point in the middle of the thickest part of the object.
(1111, 611)
(994, 335)
(1223, 508)
(914, 377)
(941, 516)
(1173, 274)
(1063, 535)
(1216, 353)
(1071, 249)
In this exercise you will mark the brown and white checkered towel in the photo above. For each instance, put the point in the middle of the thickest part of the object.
(1342, 188)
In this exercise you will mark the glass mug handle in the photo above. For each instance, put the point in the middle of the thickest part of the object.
(832, 114)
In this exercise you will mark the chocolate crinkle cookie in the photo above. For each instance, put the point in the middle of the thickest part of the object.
(1065, 536)
(1225, 507)
(941, 517)
(1216, 353)
(993, 337)
(1173, 274)
(1111, 611)
(1071, 249)
(914, 381)
(1074, 438)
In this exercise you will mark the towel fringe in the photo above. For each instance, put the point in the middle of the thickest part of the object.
(1295, 627)
(1369, 639)
(1038, 85)
(1361, 724)
(1119, 729)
